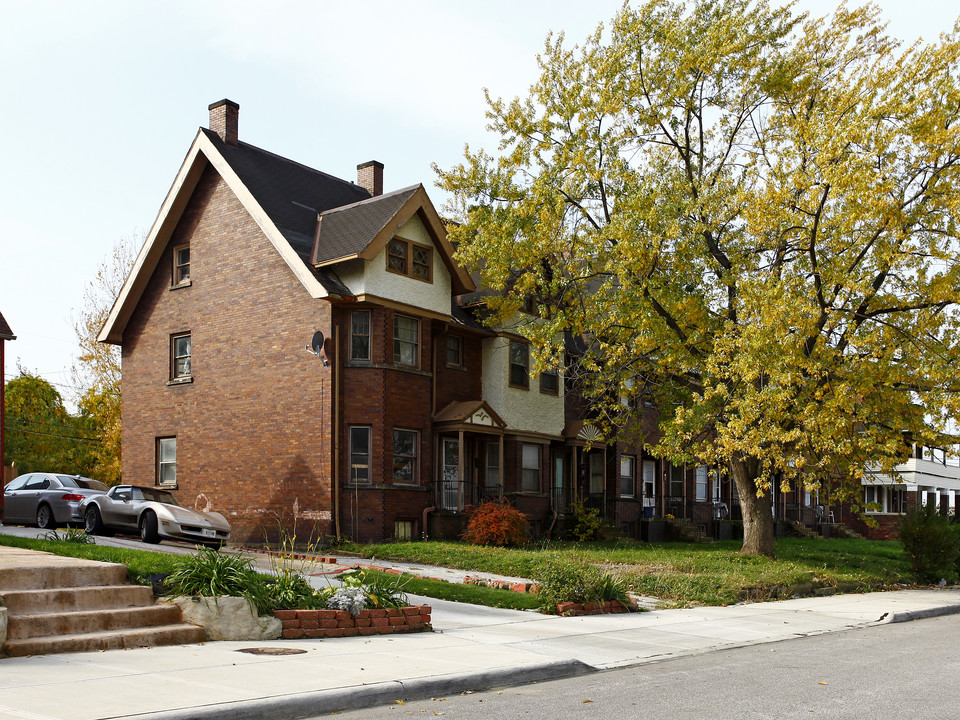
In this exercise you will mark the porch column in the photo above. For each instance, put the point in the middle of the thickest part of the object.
(500, 479)
(460, 473)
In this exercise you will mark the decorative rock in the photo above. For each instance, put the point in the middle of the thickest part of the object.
(228, 618)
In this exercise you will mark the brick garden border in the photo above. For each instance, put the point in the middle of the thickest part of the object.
(340, 623)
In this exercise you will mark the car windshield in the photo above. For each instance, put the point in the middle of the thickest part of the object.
(158, 496)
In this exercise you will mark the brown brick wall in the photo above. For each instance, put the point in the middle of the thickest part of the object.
(253, 427)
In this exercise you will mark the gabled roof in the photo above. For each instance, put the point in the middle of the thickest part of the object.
(285, 199)
(472, 413)
(5, 332)
(362, 229)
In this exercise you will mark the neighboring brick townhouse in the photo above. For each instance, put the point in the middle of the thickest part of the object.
(412, 409)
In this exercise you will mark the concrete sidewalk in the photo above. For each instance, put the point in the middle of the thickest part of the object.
(472, 647)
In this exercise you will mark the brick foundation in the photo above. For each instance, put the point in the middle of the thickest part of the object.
(340, 623)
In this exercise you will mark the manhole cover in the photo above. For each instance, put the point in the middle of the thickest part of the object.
(271, 651)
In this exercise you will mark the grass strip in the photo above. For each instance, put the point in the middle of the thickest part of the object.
(140, 563)
(473, 594)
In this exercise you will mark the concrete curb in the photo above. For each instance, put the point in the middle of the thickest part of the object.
(908, 615)
(311, 704)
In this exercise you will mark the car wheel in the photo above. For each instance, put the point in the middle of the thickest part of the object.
(92, 524)
(148, 528)
(45, 519)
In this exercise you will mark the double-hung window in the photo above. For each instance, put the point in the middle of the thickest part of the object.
(180, 356)
(360, 335)
(405, 443)
(406, 340)
(628, 471)
(167, 462)
(454, 351)
(701, 483)
(530, 472)
(181, 265)
(519, 364)
(360, 454)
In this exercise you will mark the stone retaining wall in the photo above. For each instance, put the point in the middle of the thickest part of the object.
(340, 623)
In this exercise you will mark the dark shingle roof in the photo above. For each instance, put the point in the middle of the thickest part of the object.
(347, 231)
(5, 332)
(291, 194)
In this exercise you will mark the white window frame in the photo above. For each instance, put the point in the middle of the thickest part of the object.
(628, 474)
(701, 483)
(166, 465)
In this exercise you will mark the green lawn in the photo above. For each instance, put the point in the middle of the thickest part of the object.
(680, 574)
(685, 574)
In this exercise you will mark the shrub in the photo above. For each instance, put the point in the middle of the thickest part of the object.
(579, 583)
(499, 524)
(588, 524)
(382, 590)
(210, 573)
(291, 591)
(931, 543)
(70, 535)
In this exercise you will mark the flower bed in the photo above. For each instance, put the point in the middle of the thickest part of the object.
(567, 609)
(340, 623)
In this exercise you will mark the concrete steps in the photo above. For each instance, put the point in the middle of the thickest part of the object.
(57, 605)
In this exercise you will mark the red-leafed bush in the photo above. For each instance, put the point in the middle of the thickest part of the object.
(494, 523)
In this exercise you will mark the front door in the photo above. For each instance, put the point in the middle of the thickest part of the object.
(451, 493)
(596, 473)
(559, 483)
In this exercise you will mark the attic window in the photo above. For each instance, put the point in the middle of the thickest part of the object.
(181, 265)
(410, 259)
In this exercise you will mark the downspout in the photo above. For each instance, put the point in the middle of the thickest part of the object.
(335, 391)
(426, 511)
(3, 424)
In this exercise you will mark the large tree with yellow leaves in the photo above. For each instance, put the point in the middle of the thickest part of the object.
(751, 219)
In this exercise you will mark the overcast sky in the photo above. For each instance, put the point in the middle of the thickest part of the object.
(101, 99)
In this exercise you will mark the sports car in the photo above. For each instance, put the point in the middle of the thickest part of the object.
(153, 513)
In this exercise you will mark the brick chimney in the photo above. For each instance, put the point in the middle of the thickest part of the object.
(370, 176)
(225, 121)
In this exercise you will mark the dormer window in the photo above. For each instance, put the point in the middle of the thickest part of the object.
(408, 258)
(181, 265)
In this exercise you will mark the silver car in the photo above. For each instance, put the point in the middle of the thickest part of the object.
(153, 513)
(47, 500)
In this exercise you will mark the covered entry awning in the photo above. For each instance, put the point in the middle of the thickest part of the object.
(469, 416)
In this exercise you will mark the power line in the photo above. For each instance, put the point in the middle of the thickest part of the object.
(17, 428)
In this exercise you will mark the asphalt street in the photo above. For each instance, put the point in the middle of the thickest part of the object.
(904, 670)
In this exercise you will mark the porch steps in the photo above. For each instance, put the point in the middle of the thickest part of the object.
(845, 531)
(798, 529)
(682, 530)
(58, 605)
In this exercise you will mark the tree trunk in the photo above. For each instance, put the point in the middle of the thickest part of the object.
(757, 514)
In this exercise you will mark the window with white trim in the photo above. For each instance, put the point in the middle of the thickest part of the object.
(701, 477)
(167, 461)
(360, 454)
(628, 469)
(180, 357)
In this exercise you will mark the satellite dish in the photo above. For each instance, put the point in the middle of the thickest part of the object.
(317, 342)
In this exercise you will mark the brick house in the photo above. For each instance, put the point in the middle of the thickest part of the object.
(410, 411)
